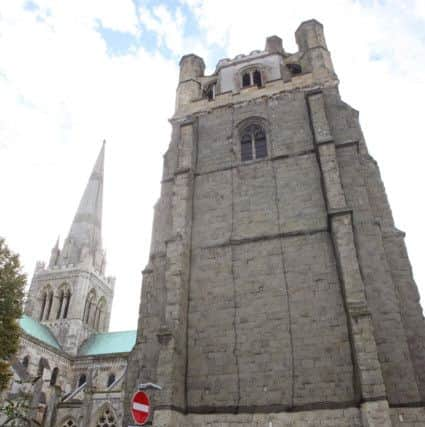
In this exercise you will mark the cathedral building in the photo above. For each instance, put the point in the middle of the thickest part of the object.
(65, 342)
(278, 290)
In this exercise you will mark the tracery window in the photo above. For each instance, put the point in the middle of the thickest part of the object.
(252, 78)
(69, 423)
(253, 143)
(106, 419)
(64, 297)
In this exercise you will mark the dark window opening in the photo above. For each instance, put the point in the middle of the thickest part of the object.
(257, 78)
(26, 361)
(246, 80)
(42, 364)
(211, 92)
(252, 78)
(67, 300)
(253, 143)
(54, 376)
(246, 148)
(82, 380)
(43, 305)
(49, 308)
(40, 369)
(111, 380)
(294, 68)
(58, 314)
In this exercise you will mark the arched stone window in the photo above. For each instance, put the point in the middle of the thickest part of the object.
(81, 380)
(67, 301)
(46, 301)
(69, 423)
(100, 314)
(54, 376)
(26, 361)
(61, 298)
(89, 307)
(111, 380)
(253, 142)
(106, 418)
(252, 77)
(49, 305)
(43, 305)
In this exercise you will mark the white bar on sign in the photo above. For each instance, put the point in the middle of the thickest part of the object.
(140, 407)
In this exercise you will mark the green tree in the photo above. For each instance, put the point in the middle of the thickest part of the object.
(12, 282)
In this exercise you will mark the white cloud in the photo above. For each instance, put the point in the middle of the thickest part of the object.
(168, 26)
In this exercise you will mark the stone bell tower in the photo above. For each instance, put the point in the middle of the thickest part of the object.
(278, 290)
(71, 295)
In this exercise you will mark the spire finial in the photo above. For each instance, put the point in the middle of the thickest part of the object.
(85, 234)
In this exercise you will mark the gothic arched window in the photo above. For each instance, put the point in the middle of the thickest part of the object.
(111, 380)
(54, 376)
(49, 306)
(67, 301)
(253, 143)
(61, 298)
(252, 77)
(106, 418)
(43, 305)
(100, 312)
(89, 307)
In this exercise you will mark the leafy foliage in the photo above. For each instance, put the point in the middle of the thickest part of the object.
(12, 282)
(17, 412)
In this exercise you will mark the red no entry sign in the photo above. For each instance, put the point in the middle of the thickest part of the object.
(140, 407)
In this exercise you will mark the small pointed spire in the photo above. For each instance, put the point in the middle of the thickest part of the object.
(57, 243)
(84, 238)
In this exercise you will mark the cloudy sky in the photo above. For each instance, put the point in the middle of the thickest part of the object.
(73, 73)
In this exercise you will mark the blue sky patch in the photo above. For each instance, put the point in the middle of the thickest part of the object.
(118, 43)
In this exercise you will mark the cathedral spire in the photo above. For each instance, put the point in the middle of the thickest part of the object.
(84, 241)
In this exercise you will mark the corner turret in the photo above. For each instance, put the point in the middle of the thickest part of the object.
(315, 57)
(192, 68)
(274, 45)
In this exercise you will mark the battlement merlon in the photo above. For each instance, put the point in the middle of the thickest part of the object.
(273, 63)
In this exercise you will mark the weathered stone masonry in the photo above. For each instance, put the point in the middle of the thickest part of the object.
(278, 289)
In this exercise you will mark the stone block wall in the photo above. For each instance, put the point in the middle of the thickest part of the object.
(278, 290)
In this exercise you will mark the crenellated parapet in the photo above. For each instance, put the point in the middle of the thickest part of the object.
(261, 72)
